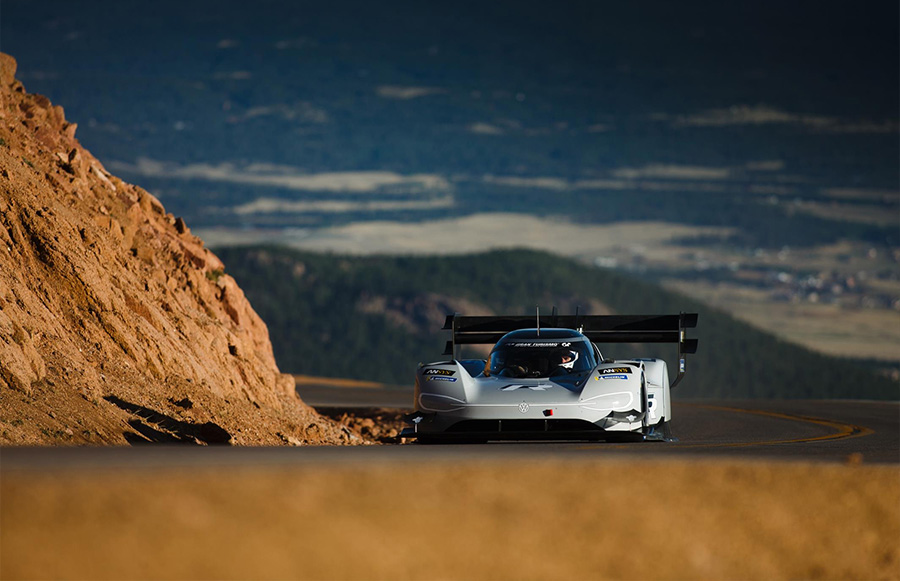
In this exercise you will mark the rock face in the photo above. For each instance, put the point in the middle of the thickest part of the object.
(116, 324)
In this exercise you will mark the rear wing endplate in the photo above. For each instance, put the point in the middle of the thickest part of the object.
(476, 330)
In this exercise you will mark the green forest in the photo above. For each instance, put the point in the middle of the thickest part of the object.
(376, 318)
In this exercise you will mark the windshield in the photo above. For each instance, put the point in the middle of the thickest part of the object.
(541, 359)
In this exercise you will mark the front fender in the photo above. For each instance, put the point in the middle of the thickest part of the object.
(618, 388)
(440, 386)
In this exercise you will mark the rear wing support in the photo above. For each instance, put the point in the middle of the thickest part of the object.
(598, 328)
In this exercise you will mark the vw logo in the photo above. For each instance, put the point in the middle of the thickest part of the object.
(523, 407)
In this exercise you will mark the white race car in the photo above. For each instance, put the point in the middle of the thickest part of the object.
(549, 383)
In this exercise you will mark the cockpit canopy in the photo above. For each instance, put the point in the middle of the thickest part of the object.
(553, 352)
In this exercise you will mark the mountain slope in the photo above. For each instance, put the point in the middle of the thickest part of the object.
(116, 324)
(375, 317)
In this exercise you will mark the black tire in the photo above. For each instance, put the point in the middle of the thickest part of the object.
(438, 440)
(623, 437)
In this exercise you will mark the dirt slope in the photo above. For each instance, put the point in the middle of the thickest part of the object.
(116, 324)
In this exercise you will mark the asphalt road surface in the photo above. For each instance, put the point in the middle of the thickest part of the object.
(804, 430)
(798, 429)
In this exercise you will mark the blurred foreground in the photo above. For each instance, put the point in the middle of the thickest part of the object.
(523, 518)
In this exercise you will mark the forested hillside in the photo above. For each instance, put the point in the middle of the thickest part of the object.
(375, 318)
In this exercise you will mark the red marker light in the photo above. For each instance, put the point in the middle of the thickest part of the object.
(548, 413)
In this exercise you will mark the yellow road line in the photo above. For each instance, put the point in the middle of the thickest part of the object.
(842, 430)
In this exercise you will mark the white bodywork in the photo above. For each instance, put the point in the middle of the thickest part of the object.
(463, 400)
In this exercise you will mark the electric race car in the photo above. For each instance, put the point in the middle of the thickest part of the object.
(549, 383)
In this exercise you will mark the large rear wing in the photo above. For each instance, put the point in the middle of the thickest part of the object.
(598, 328)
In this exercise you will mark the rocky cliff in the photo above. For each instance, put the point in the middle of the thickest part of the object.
(116, 323)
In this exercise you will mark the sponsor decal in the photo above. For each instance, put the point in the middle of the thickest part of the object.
(515, 386)
(441, 378)
(433, 371)
(539, 344)
(614, 370)
(612, 377)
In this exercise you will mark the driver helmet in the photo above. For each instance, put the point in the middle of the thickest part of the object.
(567, 358)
